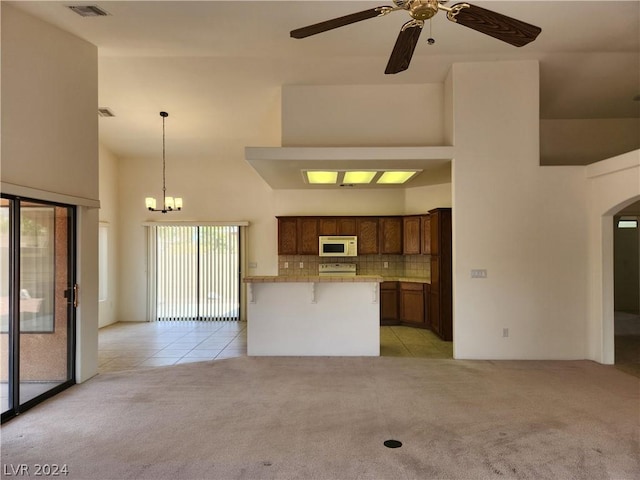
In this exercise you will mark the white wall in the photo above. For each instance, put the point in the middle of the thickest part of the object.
(49, 101)
(109, 209)
(50, 142)
(422, 199)
(363, 115)
(613, 184)
(523, 223)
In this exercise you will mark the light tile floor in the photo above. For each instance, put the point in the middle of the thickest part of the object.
(400, 341)
(128, 345)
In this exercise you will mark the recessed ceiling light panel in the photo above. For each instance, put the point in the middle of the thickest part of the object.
(354, 176)
(321, 177)
(397, 176)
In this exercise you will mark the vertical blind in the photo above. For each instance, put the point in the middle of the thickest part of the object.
(197, 272)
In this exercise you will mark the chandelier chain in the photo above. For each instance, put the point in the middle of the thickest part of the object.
(164, 168)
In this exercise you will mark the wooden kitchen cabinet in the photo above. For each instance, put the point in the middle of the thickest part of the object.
(367, 231)
(416, 231)
(328, 226)
(389, 303)
(425, 234)
(341, 226)
(441, 301)
(308, 236)
(411, 299)
(411, 235)
(347, 226)
(390, 229)
(405, 303)
(287, 236)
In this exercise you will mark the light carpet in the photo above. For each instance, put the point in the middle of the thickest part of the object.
(327, 418)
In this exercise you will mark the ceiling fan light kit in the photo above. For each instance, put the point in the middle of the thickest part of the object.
(507, 29)
(169, 204)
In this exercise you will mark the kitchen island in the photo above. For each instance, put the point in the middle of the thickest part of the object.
(313, 315)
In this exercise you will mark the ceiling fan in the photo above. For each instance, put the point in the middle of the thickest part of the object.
(507, 29)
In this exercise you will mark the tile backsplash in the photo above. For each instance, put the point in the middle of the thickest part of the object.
(396, 265)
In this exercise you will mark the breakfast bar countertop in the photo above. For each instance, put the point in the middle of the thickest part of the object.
(406, 279)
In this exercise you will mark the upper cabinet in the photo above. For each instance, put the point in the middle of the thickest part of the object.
(367, 232)
(342, 226)
(416, 235)
(412, 242)
(390, 229)
(287, 236)
(425, 233)
(388, 235)
(308, 236)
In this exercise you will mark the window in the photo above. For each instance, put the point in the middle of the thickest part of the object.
(197, 272)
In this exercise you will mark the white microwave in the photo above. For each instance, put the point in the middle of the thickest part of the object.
(335, 246)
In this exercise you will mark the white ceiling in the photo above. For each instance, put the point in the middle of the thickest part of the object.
(201, 61)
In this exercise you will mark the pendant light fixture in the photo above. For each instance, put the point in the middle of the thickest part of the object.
(169, 204)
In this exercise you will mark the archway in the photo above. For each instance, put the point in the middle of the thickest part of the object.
(626, 301)
(608, 278)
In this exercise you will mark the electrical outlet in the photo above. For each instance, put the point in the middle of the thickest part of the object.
(286, 264)
(253, 264)
(301, 264)
(478, 273)
(505, 332)
(385, 265)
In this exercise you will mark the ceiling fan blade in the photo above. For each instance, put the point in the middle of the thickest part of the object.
(404, 47)
(338, 22)
(498, 26)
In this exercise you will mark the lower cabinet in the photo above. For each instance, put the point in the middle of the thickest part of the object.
(412, 303)
(404, 303)
(389, 303)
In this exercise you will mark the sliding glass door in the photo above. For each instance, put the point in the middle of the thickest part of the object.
(197, 272)
(36, 296)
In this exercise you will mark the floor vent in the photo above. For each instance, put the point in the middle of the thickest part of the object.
(88, 10)
(105, 112)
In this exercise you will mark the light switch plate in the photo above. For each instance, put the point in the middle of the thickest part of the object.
(479, 273)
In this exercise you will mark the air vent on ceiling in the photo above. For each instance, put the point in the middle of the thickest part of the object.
(105, 112)
(88, 10)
